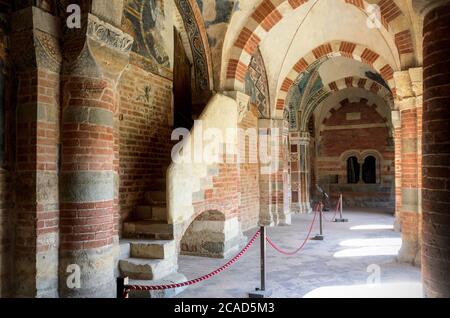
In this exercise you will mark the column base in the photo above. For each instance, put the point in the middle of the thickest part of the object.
(260, 293)
(87, 273)
(285, 219)
(305, 208)
(409, 253)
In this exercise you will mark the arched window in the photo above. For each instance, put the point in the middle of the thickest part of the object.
(352, 170)
(369, 170)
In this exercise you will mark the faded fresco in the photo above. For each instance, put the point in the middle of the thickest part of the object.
(256, 85)
(146, 21)
(216, 15)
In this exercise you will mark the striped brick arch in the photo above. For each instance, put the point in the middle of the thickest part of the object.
(330, 50)
(363, 83)
(270, 12)
(346, 83)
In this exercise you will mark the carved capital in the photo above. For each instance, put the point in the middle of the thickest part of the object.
(409, 83)
(35, 40)
(100, 50)
(305, 138)
(108, 36)
(243, 103)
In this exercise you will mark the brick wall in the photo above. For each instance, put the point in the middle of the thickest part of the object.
(6, 185)
(356, 126)
(249, 179)
(144, 134)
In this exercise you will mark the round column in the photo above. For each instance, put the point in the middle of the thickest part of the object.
(87, 178)
(436, 145)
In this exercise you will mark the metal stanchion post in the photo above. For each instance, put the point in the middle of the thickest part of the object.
(341, 218)
(320, 236)
(262, 292)
(121, 282)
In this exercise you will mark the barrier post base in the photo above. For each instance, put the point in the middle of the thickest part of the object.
(318, 237)
(120, 283)
(258, 293)
(341, 220)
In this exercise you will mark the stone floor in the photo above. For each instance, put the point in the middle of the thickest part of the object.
(345, 264)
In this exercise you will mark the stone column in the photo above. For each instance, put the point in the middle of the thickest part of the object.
(87, 178)
(274, 196)
(409, 102)
(300, 167)
(36, 52)
(436, 145)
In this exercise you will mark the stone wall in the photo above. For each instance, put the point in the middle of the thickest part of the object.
(356, 129)
(211, 235)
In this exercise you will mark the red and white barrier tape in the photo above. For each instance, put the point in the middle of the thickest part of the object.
(128, 288)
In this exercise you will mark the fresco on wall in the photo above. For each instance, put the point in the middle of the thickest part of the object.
(307, 88)
(145, 21)
(256, 85)
(216, 16)
(215, 12)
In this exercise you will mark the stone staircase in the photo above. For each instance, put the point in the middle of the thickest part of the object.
(148, 249)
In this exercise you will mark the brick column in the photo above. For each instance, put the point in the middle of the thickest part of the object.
(87, 165)
(274, 194)
(436, 146)
(396, 122)
(37, 57)
(409, 103)
(300, 167)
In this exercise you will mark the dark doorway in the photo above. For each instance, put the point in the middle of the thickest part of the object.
(352, 170)
(370, 170)
(182, 85)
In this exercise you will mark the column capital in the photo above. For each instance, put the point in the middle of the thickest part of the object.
(242, 100)
(409, 83)
(35, 40)
(423, 7)
(396, 119)
(98, 48)
(305, 138)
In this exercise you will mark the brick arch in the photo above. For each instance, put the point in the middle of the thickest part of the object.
(333, 49)
(343, 102)
(363, 83)
(270, 12)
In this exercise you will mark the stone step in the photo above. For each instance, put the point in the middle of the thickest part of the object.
(148, 229)
(143, 212)
(149, 212)
(159, 212)
(147, 269)
(173, 278)
(155, 197)
(153, 249)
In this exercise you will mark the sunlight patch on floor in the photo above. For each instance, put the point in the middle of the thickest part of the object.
(388, 241)
(391, 290)
(372, 227)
